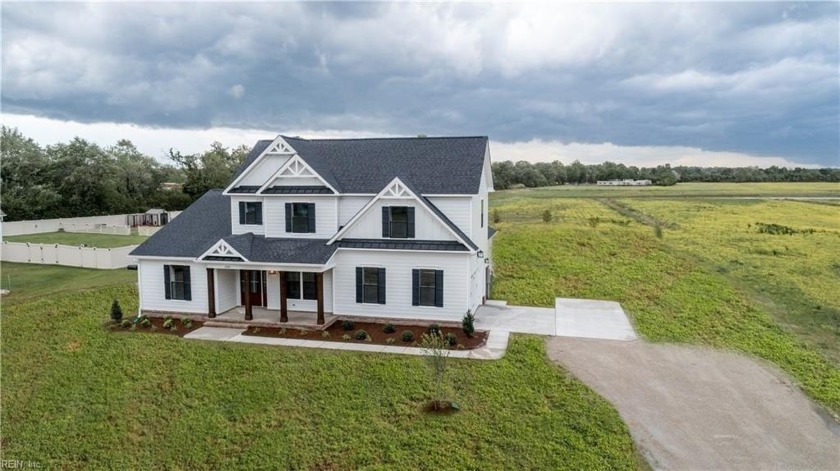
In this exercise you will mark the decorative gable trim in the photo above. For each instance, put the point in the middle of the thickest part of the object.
(222, 251)
(295, 167)
(397, 189)
(278, 146)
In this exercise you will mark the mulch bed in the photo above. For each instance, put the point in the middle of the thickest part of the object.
(375, 333)
(157, 327)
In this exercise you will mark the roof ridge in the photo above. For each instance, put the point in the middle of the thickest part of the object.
(392, 138)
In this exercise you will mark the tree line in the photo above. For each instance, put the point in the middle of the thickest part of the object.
(80, 178)
(525, 174)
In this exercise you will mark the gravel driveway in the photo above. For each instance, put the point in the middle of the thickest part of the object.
(696, 408)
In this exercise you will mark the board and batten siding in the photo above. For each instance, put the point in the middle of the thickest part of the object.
(259, 174)
(306, 305)
(398, 283)
(457, 209)
(274, 216)
(227, 290)
(426, 226)
(152, 291)
(237, 228)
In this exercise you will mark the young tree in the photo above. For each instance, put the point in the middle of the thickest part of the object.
(436, 353)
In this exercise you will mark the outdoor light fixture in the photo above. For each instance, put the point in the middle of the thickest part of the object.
(480, 254)
(272, 272)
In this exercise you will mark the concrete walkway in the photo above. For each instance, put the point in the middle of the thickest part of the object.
(697, 408)
(569, 318)
(493, 349)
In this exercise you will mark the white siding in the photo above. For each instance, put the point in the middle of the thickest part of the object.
(426, 225)
(260, 173)
(237, 228)
(152, 291)
(309, 305)
(457, 209)
(274, 216)
(398, 268)
(348, 206)
(227, 290)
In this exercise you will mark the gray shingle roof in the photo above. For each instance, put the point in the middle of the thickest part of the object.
(435, 165)
(491, 231)
(257, 248)
(194, 231)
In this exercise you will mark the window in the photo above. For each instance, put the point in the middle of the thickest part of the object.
(250, 212)
(293, 285)
(482, 213)
(370, 285)
(398, 222)
(300, 218)
(301, 283)
(176, 279)
(427, 288)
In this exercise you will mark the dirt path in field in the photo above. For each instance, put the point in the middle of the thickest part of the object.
(695, 408)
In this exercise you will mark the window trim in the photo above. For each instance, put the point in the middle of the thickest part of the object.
(170, 282)
(257, 213)
(293, 219)
(301, 290)
(381, 288)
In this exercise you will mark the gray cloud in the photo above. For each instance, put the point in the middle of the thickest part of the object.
(752, 78)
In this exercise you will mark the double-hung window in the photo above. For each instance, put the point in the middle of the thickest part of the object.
(370, 285)
(398, 222)
(176, 280)
(298, 284)
(300, 218)
(427, 287)
(250, 213)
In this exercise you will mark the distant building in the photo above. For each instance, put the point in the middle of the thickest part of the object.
(625, 182)
(172, 186)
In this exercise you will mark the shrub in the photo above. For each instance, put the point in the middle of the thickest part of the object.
(547, 216)
(167, 323)
(433, 329)
(407, 336)
(497, 218)
(361, 335)
(302, 332)
(116, 311)
(348, 325)
(325, 333)
(186, 322)
(345, 337)
(468, 324)
(127, 323)
(145, 322)
(451, 339)
(389, 329)
(390, 340)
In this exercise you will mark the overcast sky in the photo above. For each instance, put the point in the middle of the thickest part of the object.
(692, 83)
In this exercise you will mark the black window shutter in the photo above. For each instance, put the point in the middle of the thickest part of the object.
(187, 290)
(288, 217)
(259, 213)
(410, 225)
(241, 212)
(439, 288)
(415, 287)
(381, 289)
(359, 285)
(386, 221)
(311, 214)
(166, 288)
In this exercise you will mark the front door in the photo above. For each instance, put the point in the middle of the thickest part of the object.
(256, 288)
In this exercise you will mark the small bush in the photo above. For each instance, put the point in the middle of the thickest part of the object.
(497, 218)
(167, 323)
(547, 216)
(345, 337)
(145, 322)
(302, 332)
(282, 331)
(390, 340)
(468, 324)
(407, 336)
(325, 333)
(116, 311)
(127, 323)
(433, 329)
(361, 335)
(389, 329)
(186, 322)
(451, 339)
(348, 325)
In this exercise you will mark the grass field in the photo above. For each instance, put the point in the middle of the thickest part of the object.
(681, 190)
(78, 396)
(711, 279)
(101, 241)
(29, 282)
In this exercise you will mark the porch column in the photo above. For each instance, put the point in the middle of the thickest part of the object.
(211, 294)
(284, 311)
(249, 315)
(319, 288)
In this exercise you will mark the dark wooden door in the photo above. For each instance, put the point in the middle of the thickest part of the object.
(256, 288)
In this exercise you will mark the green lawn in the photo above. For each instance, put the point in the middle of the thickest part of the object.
(102, 241)
(78, 396)
(693, 284)
(814, 189)
(28, 282)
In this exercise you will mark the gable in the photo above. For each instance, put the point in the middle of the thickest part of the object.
(257, 169)
(295, 172)
(221, 251)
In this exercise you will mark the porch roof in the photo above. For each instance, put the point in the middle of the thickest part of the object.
(257, 248)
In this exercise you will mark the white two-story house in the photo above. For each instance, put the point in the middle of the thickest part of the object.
(388, 228)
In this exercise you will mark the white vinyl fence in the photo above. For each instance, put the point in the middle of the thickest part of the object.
(102, 229)
(113, 224)
(54, 254)
(148, 230)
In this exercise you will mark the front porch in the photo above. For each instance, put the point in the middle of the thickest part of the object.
(272, 317)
